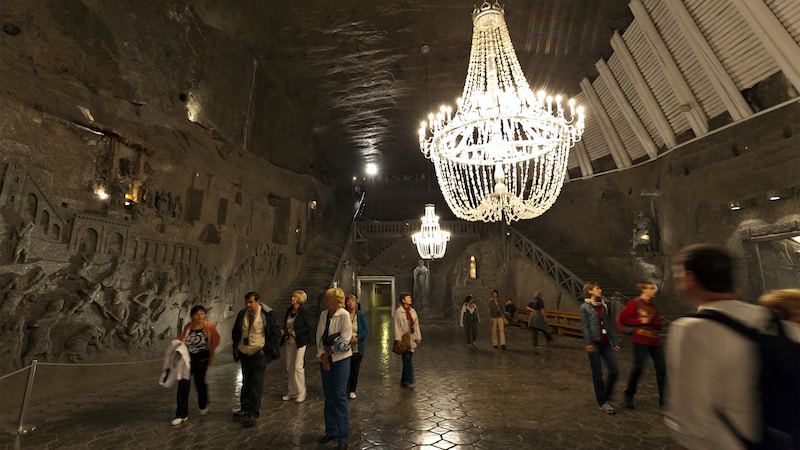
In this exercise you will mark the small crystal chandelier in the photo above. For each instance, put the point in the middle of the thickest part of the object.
(431, 241)
(503, 154)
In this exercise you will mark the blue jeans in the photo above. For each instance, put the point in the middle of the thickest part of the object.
(408, 368)
(334, 386)
(602, 391)
(253, 368)
(640, 353)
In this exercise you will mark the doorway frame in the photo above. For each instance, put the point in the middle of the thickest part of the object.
(378, 279)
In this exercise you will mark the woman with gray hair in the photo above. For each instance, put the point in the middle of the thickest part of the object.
(296, 333)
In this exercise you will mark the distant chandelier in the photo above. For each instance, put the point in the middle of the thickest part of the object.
(431, 241)
(503, 155)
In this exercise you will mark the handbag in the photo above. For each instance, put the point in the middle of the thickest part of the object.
(403, 345)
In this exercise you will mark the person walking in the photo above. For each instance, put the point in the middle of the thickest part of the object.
(497, 321)
(600, 343)
(255, 336)
(407, 321)
(642, 315)
(201, 340)
(357, 344)
(469, 320)
(334, 334)
(296, 334)
(538, 320)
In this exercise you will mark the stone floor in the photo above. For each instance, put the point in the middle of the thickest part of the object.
(485, 398)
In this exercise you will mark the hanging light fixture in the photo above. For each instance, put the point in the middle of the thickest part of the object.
(503, 154)
(430, 240)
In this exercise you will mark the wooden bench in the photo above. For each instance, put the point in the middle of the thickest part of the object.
(520, 318)
(563, 322)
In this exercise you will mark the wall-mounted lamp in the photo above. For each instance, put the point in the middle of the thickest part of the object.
(101, 193)
(773, 195)
(734, 206)
(312, 204)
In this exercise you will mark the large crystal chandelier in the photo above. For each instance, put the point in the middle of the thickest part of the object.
(503, 154)
(430, 240)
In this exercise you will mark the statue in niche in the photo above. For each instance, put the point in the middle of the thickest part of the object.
(473, 268)
(177, 207)
(22, 242)
(421, 281)
(643, 238)
(39, 342)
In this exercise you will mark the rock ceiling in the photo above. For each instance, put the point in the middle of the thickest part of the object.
(363, 66)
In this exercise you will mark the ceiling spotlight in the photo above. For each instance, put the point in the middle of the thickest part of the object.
(372, 169)
(734, 206)
(773, 195)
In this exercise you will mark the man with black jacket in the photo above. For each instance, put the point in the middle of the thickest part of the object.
(256, 337)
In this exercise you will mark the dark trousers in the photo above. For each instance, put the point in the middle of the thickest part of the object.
(640, 353)
(472, 331)
(198, 372)
(334, 386)
(408, 368)
(253, 368)
(602, 391)
(536, 335)
(355, 366)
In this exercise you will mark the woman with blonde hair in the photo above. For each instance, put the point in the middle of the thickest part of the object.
(296, 333)
(786, 302)
(334, 334)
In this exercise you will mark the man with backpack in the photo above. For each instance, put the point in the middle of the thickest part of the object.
(642, 322)
(716, 372)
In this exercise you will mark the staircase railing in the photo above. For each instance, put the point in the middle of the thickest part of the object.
(560, 274)
(348, 245)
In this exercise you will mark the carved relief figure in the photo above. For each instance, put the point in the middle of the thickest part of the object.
(85, 342)
(39, 343)
(22, 243)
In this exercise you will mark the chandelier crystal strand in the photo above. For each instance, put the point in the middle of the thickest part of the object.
(431, 241)
(503, 154)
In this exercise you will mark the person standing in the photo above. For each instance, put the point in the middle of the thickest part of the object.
(334, 334)
(357, 344)
(497, 321)
(201, 340)
(600, 343)
(296, 334)
(538, 320)
(470, 320)
(643, 315)
(255, 336)
(406, 321)
(713, 395)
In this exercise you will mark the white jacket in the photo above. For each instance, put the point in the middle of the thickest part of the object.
(176, 364)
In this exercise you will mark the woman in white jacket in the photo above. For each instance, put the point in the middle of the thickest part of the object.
(406, 321)
(334, 333)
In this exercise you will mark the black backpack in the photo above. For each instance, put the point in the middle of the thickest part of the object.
(779, 383)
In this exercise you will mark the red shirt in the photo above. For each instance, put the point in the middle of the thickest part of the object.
(646, 334)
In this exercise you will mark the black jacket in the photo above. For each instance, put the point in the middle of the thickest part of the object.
(302, 329)
(272, 333)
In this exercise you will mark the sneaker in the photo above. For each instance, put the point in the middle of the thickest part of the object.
(300, 398)
(495, 346)
(287, 397)
(538, 346)
(411, 385)
(204, 411)
(178, 420)
(240, 413)
(404, 384)
(607, 408)
(250, 422)
(629, 402)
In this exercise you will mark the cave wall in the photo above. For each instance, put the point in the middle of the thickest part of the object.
(131, 184)
(687, 194)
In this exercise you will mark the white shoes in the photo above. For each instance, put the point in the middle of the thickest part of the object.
(178, 420)
(287, 397)
(352, 395)
(301, 398)
(607, 408)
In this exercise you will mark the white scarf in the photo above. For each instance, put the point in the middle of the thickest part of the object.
(593, 302)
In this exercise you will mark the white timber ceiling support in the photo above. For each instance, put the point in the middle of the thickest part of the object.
(615, 145)
(692, 109)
